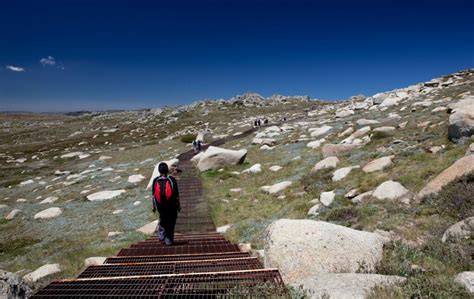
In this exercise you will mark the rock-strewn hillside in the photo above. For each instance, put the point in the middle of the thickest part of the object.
(396, 165)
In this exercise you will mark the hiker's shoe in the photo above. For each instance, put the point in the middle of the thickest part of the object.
(168, 242)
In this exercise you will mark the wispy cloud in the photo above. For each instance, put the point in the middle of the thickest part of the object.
(15, 68)
(48, 61)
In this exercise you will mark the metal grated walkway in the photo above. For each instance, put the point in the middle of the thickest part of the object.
(200, 264)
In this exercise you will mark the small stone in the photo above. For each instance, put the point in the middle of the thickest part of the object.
(12, 214)
(94, 261)
(113, 234)
(341, 173)
(136, 178)
(104, 195)
(149, 228)
(48, 213)
(392, 190)
(329, 162)
(117, 212)
(327, 198)
(136, 203)
(378, 164)
(314, 210)
(466, 279)
(276, 167)
(43, 271)
(223, 229)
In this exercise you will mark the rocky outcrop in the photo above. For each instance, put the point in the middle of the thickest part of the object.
(461, 121)
(204, 136)
(459, 168)
(345, 285)
(13, 286)
(316, 132)
(305, 248)
(460, 230)
(216, 157)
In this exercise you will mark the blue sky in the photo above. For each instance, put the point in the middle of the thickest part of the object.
(85, 55)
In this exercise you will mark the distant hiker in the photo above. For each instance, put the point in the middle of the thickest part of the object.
(165, 198)
(199, 145)
(284, 118)
(259, 123)
(265, 121)
(195, 146)
(255, 123)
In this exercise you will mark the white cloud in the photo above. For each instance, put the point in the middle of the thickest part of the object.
(48, 61)
(15, 68)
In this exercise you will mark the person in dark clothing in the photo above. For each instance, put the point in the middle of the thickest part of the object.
(165, 198)
(199, 145)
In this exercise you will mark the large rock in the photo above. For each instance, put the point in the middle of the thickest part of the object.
(13, 286)
(41, 272)
(48, 213)
(378, 164)
(466, 279)
(345, 285)
(329, 162)
(104, 195)
(276, 188)
(461, 121)
(326, 198)
(460, 230)
(173, 163)
(392, 190)
(305, 248)
(330, 149)
(459, 168)
(149, 228)
(344, 113)
(316, 144)
(389, 102)
(216, 157)
(357, 134)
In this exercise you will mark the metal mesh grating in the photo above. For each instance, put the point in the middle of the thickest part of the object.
(183, 257)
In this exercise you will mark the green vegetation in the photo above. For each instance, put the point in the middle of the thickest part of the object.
(188, 138)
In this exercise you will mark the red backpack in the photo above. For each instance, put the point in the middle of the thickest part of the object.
(163, 188)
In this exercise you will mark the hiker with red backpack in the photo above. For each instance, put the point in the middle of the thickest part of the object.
(165, 198)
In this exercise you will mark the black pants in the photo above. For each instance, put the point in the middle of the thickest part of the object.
(168, 215)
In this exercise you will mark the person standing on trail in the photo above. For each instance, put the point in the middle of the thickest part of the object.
(165, 198)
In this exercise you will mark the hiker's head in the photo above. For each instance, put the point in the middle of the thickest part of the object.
(163, 168)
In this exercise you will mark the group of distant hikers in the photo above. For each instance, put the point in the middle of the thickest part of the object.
(258, 122)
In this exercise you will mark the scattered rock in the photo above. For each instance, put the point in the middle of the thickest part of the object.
(361, 197)
(344, 113)
(329, 149)
(316, 144)
(466, 279)
(254, 169)
(366, 122)
(459, 168)
(12, 214)
(13, 286)
(245, 247)
(136, 178)
(104, 195)
(316, 132)
(148, 229)
(345, 285)
(314, 210)
(136, 203)
(223, 229)
(117, 212)
(204, 136)
(49, 199)
(329, 162)
(48, 213)
(460, 230)
(341, 173)
(113, 234)
(326, 198)
(235, 190)
(392, 190)
(41, 272)
(352, 193)
(306, 248)
(276, 188)
(386, 129)
(71, 155)
(94, 261)
(215, 157)
(275, 168)
(378, 164)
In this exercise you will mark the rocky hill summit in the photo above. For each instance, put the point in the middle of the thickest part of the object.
(369, 197)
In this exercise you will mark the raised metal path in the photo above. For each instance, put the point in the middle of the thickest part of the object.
(200, 264)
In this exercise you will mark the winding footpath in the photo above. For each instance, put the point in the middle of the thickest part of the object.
(201, 263)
